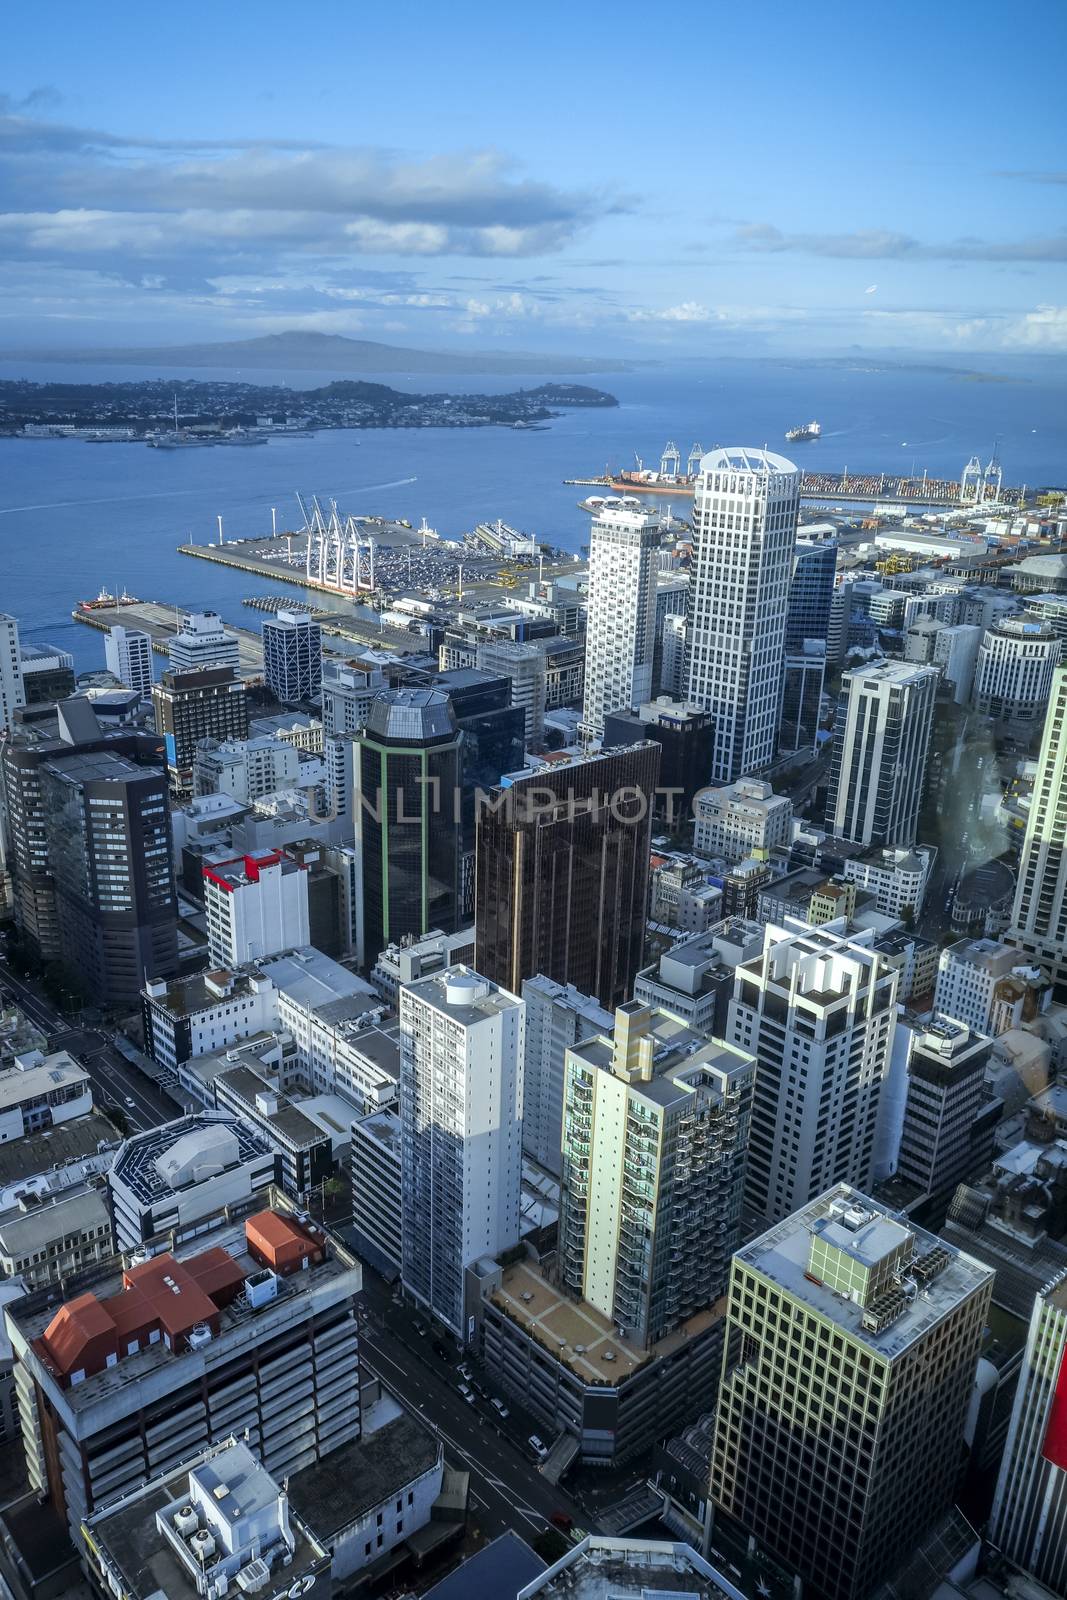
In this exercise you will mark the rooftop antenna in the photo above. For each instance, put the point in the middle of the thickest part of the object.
(221, 539)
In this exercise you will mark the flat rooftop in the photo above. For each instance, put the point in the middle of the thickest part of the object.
(137, 1162)
(679, 1053)
(782, 1255)
(54, 1147)
(631, 1569)
(57, 1071)
(363, 1474)
(311, 979)
(462, 994)
(579, 1335)
(71, 1211)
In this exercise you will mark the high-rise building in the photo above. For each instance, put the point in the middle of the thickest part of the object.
(245, 769)
(1029, 1519)
(741, 819)
(803, 676)
(562, 873)
(461, 1048)
(949, 1114)
(524, 665)
(292, 657)
(685, 734)
(128, 653)
(249, 1330)
(1039, 916)
(203, 642)
(492, 738)
(655, 1129)
(47, 674)
(1013, 675)
(12, 690)
(558, 1016)
(818, 1011)
(256, 905)
(107, 830)
(881, 741)
(745, 507)
(973, 976)
(851, 1349)
(407, 814)
(811, 591)
(620, 638)
(194, 705)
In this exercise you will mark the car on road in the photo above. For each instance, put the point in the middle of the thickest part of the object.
(466, 1393)
(131, 1102)
(560, 1520)
(464, 1371)
(420, 1328)
(499, 1406)
(539, 1448)
(441, 1349)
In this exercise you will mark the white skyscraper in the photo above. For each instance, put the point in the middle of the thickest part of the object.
(12, 689)
(1039, 919)
(202, 642)
(292, 657)
(818, 1011)
(461, 1050)
(745, 507)
(620, 636)
(128, 653)
(558, 1016)
(1013, 675)
(881, 741)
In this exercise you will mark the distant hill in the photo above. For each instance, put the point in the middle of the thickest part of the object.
(326, 352)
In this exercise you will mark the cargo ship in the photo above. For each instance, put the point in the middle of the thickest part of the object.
(806, 431)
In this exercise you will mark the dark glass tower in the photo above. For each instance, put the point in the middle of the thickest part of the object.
(562, 874)
(407, 812)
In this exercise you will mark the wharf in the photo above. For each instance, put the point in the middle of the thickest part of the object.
(833, 488)
(161, 623)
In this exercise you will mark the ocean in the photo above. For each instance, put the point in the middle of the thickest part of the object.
(75, 517)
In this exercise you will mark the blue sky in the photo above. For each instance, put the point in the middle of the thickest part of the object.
(599, 178)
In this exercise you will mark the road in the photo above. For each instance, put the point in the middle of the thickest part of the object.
(114, 1079)
(506, 1487)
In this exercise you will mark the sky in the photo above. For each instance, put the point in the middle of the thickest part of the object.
(690, 180)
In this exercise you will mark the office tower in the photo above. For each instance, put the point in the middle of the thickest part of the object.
(672, 673)
(1013, 675)
(256, 906)
(852, 1343)
(655, 1129)
(620, 637)
(292, 657)
(562, 873)
(742, 819)
(950, 1113)
(811, 592)
(47, 674)
(524, 665)
(347, 692)
(492, 739)
(685, 734)
(1039, 916)
(190, 706)
(881, 740)
(251, 1327)
(956, 657)
(461, 1047)
(745, 507)
(672, 595)
(803, 675)
(203, 642)
(12, 690)
(128, 653)
(107, 831)
(1029, 1517)
(405, 804)
(558, 1016)
(976, 985)
(818, 1011)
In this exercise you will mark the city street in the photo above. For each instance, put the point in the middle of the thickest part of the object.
(115, 1081)
(506, 1486)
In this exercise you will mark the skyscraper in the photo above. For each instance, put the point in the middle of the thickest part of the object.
(12, 692)
(851, 1348)
(1029, 1519)
(811, 592)
(557, 1017)
(745, 508)
(1039, 917)
(620, 638)
(292, 657)
(189, 706)
(461, 1046)
(881, 741)
(562, 873)
(1013, 673)
(948, 1126)
(128, 653)
(201, 642)
(524, 665)
(407, 815)
(655, 1129)
(818, 1011)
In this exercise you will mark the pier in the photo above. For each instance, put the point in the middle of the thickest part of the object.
(834, 488)
(161, 623)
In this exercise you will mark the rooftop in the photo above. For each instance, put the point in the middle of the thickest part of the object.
(745, 458)
(461, 994)
(782, 1256)
(411, 716)
(495, 1572)
(75, 1140)
(71, 1211)
(310, 979)
(580, 1336)
(202, 991)
(180, 1154)
(57, 1071)
(333, 1493)
(277, 1110)
(630, 1569)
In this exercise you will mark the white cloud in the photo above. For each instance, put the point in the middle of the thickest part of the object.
(688, 311)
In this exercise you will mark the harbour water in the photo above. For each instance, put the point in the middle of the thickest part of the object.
(75, 516)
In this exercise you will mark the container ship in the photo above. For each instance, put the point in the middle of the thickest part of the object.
(807, 430)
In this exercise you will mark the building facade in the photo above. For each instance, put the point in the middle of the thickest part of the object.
(620, 636)
(741, 819)
(128, 653)
(461, 1048)
(292, 657)
(1039, 916)
(881, 742)
(1013, 676)
(209, 703)
(12, 689)
(949, 1114)
(558, 1016)
(256, 905)
(203, 642)
(745, 508)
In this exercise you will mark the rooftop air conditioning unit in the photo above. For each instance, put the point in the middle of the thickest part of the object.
(202, 1545)
(186, 1521)
(199, 1336)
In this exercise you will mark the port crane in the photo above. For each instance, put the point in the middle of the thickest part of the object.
(339, 554)
(670, 462)
(696, 455)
